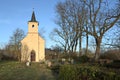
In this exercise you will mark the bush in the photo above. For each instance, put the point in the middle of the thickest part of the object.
(115, 64)
(83, 59)
(8, 58)
(0, 56)
(55, 68)
(67, 73)
(111, 54)
(77, 72)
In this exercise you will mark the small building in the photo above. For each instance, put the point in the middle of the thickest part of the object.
(33, 45)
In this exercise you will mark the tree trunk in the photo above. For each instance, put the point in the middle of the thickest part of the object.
(80, 46)
(97, 52)
(76, 45)
(86, 52)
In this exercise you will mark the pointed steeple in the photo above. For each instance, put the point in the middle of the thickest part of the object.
(33, 19)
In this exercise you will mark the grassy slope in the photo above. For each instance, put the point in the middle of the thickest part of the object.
(18, 71)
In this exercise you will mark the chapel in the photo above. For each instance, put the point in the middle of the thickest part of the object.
(33, 45)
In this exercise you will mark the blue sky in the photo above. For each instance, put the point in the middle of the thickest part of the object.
(16, 14)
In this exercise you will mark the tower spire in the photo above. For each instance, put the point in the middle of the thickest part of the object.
(33, 19)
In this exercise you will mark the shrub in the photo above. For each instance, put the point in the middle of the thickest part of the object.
(111, 54)
(67, 73)
(8, 58)
(115, 64)
(0, 56)
(78, 72)
(83, 59)
(55, 69)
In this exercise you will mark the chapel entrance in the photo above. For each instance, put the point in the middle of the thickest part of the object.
(32, 55)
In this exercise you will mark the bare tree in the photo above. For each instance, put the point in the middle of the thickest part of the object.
(87, 40)
(101, 18)
(94, 17)
(70, 22)
(57, 49)
(114, 41)
(14, 42)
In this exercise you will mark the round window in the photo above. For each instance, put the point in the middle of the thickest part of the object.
(32, 26)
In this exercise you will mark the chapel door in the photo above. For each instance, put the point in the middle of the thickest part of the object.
(32, 55)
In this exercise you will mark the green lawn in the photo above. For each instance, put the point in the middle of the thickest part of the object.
(18, 71)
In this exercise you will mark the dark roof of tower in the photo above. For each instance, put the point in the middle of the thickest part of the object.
(33, 19)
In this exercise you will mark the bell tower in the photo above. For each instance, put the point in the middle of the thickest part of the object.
(33, 24)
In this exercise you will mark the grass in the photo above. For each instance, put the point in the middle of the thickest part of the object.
(11, 70)
(19, 71)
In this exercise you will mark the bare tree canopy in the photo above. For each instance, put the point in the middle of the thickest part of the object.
(113, 42)
(70, 24)
(100, 19)
(93, 17)
(14, 42)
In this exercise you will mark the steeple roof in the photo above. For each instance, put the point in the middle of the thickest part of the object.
(33, 19)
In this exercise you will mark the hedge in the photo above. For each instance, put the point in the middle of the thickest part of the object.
(78, 72)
